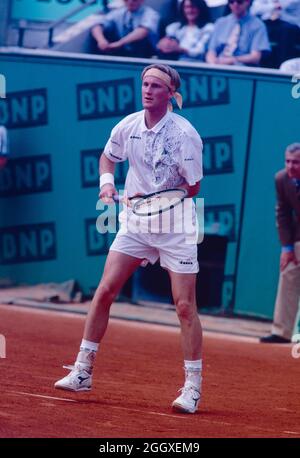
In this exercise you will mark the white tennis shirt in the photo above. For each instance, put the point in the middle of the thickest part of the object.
(166, 156)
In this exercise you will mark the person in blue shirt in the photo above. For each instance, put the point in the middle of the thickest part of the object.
(131, 30)
(238, 38)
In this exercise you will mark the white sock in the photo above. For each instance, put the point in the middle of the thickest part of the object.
(193, 371)
(87, 345)
(87, 355)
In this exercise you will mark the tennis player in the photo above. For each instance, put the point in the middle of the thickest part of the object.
(164, 151)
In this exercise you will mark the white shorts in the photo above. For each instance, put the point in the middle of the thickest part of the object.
(174, 253)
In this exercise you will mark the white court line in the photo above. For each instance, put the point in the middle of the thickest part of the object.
(203, 420)
(21, 393)
(179, 416)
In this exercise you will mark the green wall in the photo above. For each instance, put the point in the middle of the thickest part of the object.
(59, 112)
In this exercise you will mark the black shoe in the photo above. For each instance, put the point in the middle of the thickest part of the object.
(273, 338)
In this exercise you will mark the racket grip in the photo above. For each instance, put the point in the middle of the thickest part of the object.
(117, 197)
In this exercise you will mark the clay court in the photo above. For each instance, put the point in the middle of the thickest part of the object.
(250, 390)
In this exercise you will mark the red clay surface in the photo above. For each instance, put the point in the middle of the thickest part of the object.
(250, 390)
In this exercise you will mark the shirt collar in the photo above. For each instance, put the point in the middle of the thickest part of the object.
(157, 126)
(137, 12)
(243, 19)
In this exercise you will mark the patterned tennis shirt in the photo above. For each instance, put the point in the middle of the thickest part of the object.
(166, 156)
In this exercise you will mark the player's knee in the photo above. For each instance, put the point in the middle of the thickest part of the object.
(106, 294)
(185, 310)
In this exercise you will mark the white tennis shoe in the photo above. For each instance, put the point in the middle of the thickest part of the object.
(78, 379)
(189, 399)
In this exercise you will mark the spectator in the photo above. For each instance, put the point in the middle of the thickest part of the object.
(287, 217)
(131, 30)
(238, 38)
(282, 19)
(188, 38)
(3, 146)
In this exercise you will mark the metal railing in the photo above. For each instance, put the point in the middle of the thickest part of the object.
(23, 25)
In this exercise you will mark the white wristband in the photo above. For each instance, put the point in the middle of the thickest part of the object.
(106, 178)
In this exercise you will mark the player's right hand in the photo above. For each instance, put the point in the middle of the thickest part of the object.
(107, 192)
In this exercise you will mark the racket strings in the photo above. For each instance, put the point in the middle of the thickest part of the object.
(159, 202)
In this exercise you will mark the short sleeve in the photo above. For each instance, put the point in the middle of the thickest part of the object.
(215, 37)
(107, 20)
(115, 148)
(260, 41)
(191, 158)
(172, 29)
(150, 20)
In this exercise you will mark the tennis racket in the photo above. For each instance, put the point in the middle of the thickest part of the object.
(156, 202)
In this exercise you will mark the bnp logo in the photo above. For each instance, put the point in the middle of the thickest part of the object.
(2, 86)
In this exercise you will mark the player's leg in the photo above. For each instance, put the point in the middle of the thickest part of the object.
(184, 295)
(118, 268)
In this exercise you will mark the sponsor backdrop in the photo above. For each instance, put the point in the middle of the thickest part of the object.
(60, 111)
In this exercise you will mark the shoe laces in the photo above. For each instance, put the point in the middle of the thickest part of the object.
(189, 388)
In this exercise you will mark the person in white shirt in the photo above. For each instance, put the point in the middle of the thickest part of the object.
(164, 150)
(188, 38)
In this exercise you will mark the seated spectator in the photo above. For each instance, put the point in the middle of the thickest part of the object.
(131, 30)
(3, 146)
(188, 38)
(282, 19)
(238, 38)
